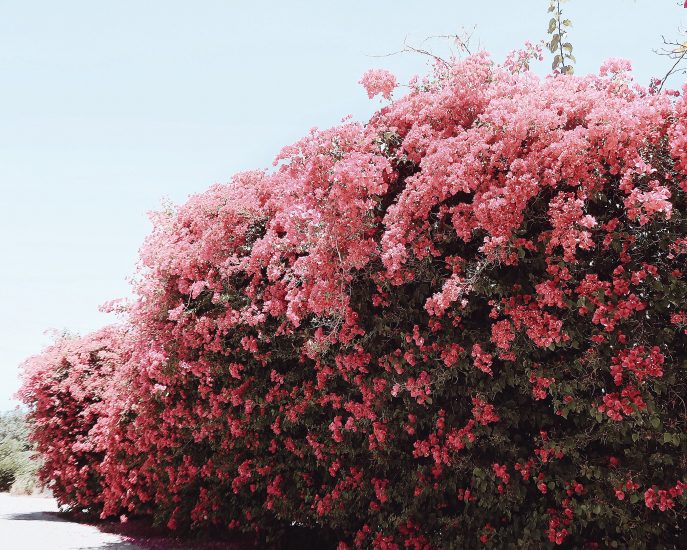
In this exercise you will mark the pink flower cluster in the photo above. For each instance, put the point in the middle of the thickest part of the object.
(378, 81)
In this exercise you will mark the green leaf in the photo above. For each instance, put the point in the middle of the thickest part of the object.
(568, 47)
(552, 25)
(567, 23)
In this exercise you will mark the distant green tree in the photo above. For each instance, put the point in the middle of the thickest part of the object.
(15, 450)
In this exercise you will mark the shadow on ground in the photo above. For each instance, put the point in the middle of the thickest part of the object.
(147, 537)
(37, 516)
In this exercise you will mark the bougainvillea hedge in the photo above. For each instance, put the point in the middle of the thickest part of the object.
(71, 388)
(460, 324)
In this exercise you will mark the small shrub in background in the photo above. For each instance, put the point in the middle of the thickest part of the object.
(17, 464)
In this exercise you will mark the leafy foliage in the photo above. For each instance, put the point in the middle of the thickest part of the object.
(559, 45)
(15, 450)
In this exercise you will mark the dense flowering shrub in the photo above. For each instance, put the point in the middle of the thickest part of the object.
(71, 387)
(460, 324)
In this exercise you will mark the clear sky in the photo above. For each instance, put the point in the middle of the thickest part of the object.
(106, 108)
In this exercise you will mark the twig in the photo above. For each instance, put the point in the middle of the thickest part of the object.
(678, 52)
(461, 41)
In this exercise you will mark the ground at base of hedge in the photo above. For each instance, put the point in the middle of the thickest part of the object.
(34, 523)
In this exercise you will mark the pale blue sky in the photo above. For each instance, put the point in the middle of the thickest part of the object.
(107, 107)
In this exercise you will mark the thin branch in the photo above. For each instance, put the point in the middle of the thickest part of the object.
(678, 52)
(462, 41)
(559, 16)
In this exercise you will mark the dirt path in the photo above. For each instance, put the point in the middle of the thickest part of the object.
(31, 523)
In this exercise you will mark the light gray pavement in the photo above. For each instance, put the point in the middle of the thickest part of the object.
(29, 523)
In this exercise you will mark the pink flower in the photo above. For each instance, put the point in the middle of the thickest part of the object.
(482, 360)
(643, 204)
(615, 66)
(378, 81)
